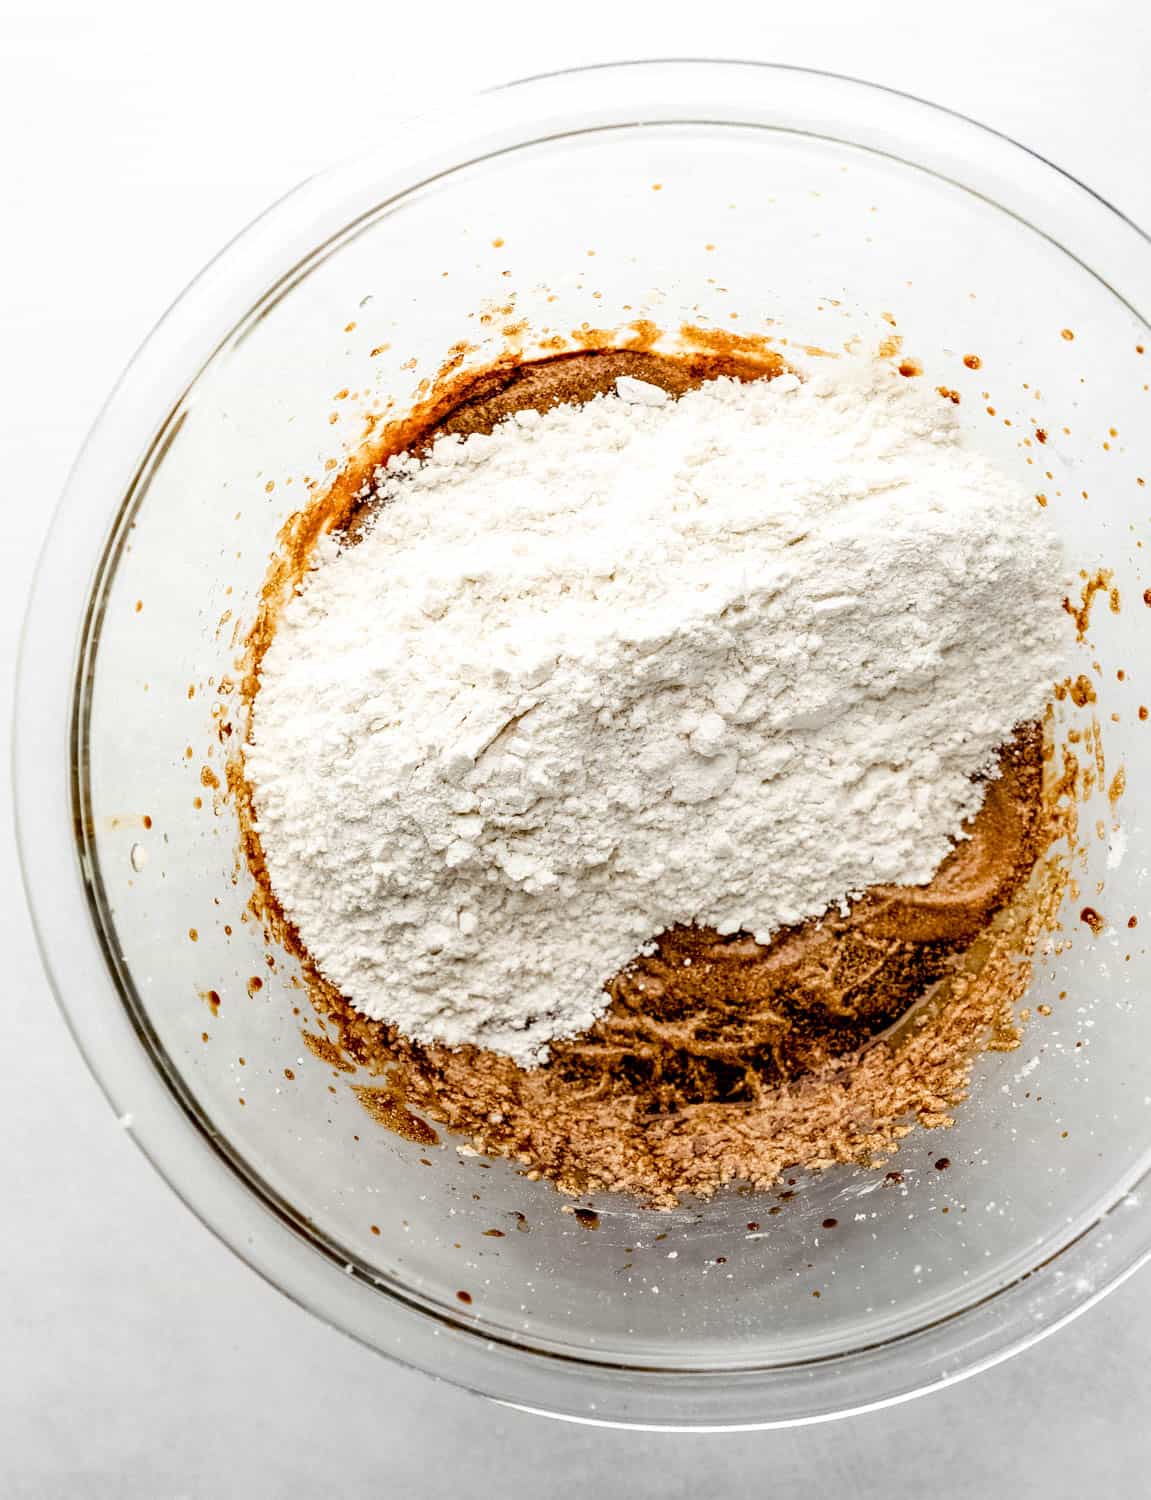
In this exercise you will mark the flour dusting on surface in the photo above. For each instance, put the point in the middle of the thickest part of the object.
(729, 659)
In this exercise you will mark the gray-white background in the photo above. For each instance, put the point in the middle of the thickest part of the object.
(138, 1357)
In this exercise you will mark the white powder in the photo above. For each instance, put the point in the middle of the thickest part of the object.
(729, 660)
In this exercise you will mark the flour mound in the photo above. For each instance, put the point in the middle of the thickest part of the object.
(727, 660)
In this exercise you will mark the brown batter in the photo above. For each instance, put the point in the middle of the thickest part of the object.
(720, 1059)
(714, 1018)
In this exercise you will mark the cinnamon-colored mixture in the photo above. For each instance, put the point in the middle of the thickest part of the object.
(722, 1061)
(719, 1059)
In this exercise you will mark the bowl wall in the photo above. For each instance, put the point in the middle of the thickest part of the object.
(741, 199)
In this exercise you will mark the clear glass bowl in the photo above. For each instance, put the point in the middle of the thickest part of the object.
(731, 193)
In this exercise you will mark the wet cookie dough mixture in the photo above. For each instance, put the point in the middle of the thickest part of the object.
(726, 1040)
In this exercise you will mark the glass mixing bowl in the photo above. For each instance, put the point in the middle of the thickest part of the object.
(733, 196)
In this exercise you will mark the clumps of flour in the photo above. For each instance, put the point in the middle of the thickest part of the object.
(728, 660)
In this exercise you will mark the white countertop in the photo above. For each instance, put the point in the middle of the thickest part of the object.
(138, 1357)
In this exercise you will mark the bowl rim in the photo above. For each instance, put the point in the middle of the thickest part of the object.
(49, 772)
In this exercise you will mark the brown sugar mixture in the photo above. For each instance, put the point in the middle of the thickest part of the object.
(725, 1019)
(720, 1059)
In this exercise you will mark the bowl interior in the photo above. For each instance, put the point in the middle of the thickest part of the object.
(724, 225)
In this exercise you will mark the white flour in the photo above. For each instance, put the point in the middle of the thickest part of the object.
(728, 660)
